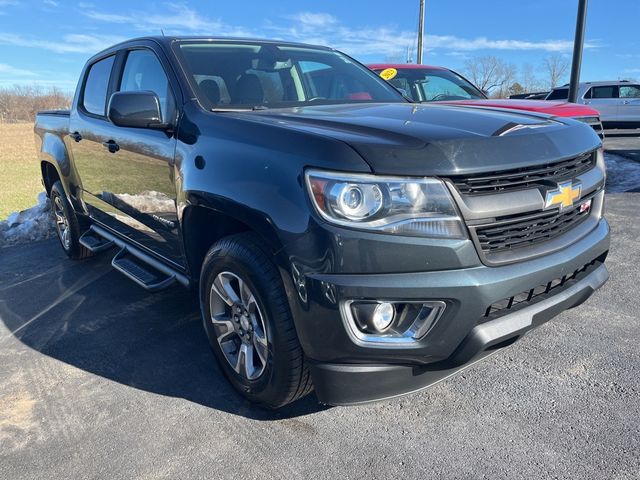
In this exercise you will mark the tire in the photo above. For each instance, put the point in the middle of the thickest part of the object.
(66, 223)
(255, 315)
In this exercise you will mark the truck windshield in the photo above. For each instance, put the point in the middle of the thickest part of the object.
(431, 85)
(254, 75)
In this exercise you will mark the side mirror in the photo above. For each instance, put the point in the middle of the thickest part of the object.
(139, 109)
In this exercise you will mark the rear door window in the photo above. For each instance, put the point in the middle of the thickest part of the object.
(629, 91)
(559, 94)
(94, 98)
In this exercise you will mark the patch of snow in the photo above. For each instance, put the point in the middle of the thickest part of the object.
(623, 174)
(35, 223)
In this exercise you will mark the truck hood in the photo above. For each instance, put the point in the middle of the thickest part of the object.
(428, 139)
(550, 107)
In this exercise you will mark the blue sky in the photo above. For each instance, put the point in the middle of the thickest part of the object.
(47, 41)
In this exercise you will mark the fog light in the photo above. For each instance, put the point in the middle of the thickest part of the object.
(390, 324)
(382, 317)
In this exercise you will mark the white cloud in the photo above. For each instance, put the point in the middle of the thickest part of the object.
(9, 70)
(108, 17)
(51, 3)
(313, 19)
(72, 43)
(175, 19)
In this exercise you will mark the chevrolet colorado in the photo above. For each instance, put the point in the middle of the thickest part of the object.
(341, 238)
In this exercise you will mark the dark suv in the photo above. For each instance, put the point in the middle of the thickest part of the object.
(340, 237)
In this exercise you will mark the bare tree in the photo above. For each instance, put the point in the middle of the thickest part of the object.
(556, 67)
(529, 80)
(490, 74)
(20, 103)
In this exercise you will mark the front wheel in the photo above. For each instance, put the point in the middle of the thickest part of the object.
(249, 324)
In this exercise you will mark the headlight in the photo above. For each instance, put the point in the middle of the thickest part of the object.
(404, 206)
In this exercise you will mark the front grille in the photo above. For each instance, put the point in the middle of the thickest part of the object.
(541, 292)
(526, 177)
(524, 230)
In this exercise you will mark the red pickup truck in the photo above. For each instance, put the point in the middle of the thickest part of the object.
(424, 83)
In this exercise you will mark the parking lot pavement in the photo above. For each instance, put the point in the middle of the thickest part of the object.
(99, 379)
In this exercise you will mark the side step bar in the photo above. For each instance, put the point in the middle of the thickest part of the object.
(94, 243)
(146, 271)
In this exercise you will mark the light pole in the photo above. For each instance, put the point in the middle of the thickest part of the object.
(420, 31)
(578, 43)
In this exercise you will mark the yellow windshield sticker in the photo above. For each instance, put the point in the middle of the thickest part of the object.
(388, 73)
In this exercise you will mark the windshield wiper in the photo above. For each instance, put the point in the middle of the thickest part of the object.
(239, 109)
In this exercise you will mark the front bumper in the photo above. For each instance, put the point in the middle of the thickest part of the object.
(344, 384)
(345, 372)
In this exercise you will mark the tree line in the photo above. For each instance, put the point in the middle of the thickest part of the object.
(502, 79)
(20, 103)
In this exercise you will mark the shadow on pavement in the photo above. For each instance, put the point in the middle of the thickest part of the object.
(87, 315)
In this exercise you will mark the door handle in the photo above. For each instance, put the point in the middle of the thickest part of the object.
(626, 102)
(112, 146)
(76, 136)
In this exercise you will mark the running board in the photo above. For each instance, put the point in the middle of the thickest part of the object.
(95, 243)
(151, 274)
(140, 273)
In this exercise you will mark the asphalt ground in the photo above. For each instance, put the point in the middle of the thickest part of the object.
(99, 379)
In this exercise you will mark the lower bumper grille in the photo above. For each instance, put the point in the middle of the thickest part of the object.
(524, 230)
(541, 292)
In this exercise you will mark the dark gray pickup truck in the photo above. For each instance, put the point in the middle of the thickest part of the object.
(341, 238)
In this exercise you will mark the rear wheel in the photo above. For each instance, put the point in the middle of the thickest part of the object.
(66, 223)
(249, 324)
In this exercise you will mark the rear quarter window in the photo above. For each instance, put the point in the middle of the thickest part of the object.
(94, 98)
(559, 94)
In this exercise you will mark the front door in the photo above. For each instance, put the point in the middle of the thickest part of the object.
(127, 174)
(604, 99)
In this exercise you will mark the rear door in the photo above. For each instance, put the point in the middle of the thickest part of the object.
(604, 98)
(629, 109)
(128, 174)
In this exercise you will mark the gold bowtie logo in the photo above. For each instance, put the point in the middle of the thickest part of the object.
(564, 196)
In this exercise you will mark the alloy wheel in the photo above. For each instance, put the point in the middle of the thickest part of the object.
(62, 223)
(239, 325)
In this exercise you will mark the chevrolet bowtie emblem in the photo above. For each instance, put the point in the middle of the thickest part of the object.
(564, 196)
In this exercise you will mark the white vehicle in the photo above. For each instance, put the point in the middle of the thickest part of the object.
(618, 101)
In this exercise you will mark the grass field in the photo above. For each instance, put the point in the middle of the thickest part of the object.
(20, 177)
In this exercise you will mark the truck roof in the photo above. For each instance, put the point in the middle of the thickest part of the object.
(168, 39)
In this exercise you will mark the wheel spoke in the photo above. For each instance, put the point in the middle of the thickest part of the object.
(222, 286)
(227, 325)
(65, 236)
(245, 293)
(241, 359)
(249, 369)
(260, 345)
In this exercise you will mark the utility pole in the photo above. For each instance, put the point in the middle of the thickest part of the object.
(420, 31)
(578, 44)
